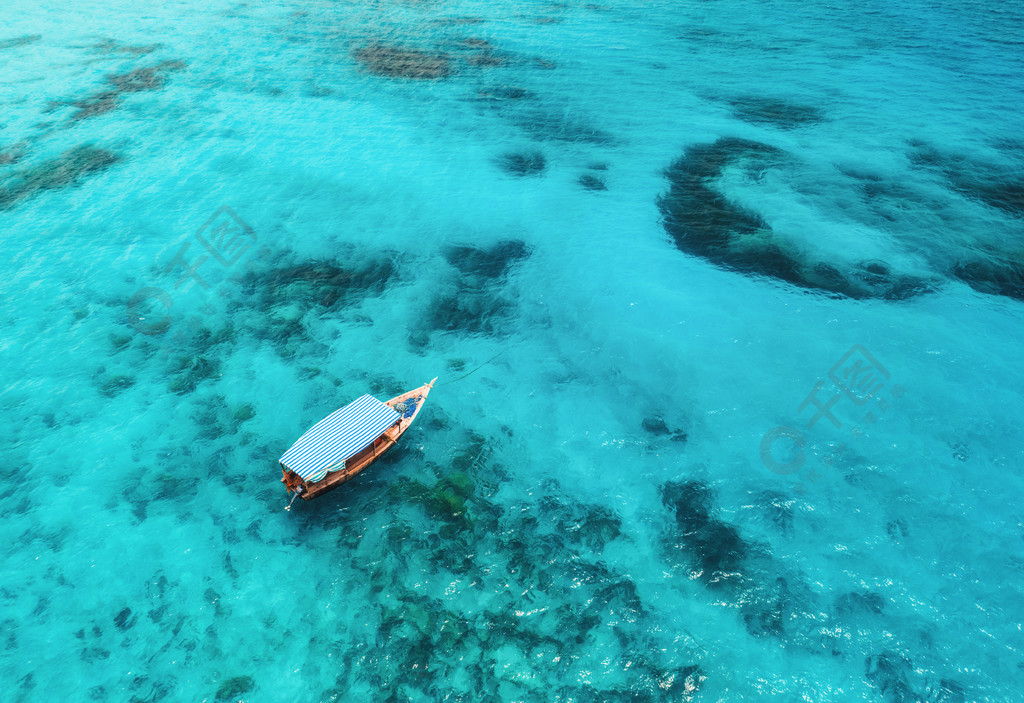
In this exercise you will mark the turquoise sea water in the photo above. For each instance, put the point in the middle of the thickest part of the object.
(633, 240)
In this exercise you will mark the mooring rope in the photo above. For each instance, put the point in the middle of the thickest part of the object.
(474, 370)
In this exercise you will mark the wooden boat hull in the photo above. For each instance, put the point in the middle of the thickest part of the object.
(358, 463)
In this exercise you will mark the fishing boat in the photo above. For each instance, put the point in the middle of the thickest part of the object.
(348, 440)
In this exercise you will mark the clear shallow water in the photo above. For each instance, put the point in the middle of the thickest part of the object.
(586, 516)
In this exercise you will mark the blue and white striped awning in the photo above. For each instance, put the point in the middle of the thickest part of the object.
(340, 435)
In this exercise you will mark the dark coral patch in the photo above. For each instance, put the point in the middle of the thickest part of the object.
(64, 171)
(960, 451)
(12, 154)
(987, 268)
(445, 500)
(234, 688)
(759, 109)
(486, 59)
(137, 80)
(423, 645)
(778, 509)
(690, 502)
(562, 126)
(503, 92)
(591, 182)
(475, 306)
(949, 691)
(599, 525)
(657, 426)
(727, 563)
(125, 620)
(994, 185)
(581, 524)
(490, 262)
(319, 283)
(189, 371)
(704, 222)
(476, 43)
(206, 339)
(468, 311)
(403, 62)
(890, 673)
(458, 21)
(213, 417)
(116, 384)
(282, 297)
(765, 606)
(716, 546)
(990, 269)
(95, 105)
(149, 78)
(15, 42)
(1006, 196)
(115, 47)
(994, 276)
(525, 164)
(897, 529)
(719, 548)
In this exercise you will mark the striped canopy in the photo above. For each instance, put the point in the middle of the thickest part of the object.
(340, 435)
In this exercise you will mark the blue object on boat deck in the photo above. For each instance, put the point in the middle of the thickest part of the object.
(410, 407)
